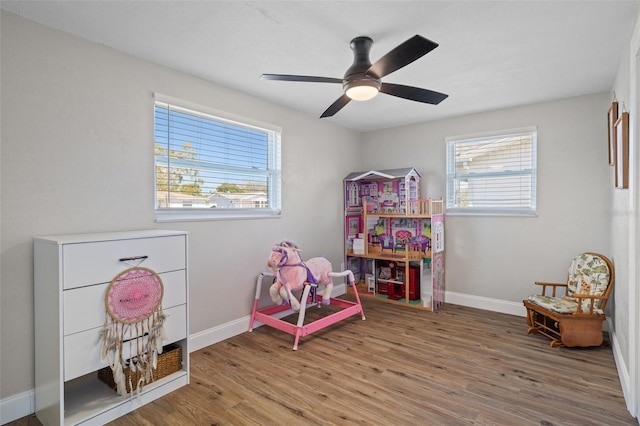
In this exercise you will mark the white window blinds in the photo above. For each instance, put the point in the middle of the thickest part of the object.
(213, 165)
(492, 174)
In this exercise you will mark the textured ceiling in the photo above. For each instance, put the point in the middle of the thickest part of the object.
(492, 54)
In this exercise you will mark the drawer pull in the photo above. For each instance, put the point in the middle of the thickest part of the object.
(130, 259)
(145, 334)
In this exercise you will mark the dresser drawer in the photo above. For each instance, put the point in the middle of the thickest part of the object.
(82, 350)
(99, 262)
(84, 307)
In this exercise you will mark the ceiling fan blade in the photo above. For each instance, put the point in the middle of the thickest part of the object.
(336, 106)
(303, 78)
(413, 93)
(402, 55)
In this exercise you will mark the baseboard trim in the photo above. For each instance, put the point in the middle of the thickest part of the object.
(623, 372)
(486, 303)
(222, 332)
(17, 406)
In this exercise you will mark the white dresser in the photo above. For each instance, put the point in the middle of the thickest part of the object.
(71, 275)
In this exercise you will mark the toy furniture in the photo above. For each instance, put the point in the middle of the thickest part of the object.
(386, 242)
(403, 239)
(575, 318)
(269, 315)
(421, 243)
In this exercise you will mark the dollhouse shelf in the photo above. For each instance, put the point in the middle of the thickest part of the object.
(362, 292)
(390, 281)
(394, 240)
(398, 256)
(416, 209)
(404, 258)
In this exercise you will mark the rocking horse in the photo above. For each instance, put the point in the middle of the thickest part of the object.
(290, 275)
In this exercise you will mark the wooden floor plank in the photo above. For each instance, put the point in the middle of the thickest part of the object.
(402, 366)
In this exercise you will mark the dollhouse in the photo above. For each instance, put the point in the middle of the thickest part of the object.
(393, 191)
(394, 241)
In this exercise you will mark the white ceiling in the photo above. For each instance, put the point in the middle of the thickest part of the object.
(492, 54)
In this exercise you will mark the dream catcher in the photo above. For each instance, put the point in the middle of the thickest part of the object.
(133, 324)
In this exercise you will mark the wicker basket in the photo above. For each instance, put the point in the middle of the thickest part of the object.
(169, 361)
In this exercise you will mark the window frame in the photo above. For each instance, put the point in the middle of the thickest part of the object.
(451, 176)
(274, 167)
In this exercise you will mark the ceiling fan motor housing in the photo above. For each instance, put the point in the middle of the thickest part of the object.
(356, 75)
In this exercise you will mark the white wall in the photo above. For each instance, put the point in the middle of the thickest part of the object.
(620, 230)
(492, 262)
(77, 156)
(625, 232)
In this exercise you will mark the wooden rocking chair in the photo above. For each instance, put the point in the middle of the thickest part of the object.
(575, 318)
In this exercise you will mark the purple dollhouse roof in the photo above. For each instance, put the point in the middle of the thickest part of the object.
(388, 174)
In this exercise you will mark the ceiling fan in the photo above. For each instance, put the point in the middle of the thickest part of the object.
(363, 81)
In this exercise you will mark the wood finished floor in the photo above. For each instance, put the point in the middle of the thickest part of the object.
(402, 366)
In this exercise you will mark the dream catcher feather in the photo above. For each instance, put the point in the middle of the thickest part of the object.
(134, 323)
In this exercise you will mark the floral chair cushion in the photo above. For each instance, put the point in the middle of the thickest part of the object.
(560, 305)
(588, 274)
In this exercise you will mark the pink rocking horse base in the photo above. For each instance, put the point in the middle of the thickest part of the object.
(267, 315)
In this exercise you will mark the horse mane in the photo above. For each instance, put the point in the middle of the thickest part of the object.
(289, 244)
(293, 247)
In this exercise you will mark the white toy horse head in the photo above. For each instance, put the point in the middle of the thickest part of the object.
(292, 274)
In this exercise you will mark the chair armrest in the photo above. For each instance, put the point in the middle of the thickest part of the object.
(593, 298)
(553, 286)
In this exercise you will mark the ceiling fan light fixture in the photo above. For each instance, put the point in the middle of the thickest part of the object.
(362, 90)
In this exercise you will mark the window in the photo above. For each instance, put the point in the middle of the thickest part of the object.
(210, 166)
(492, 174)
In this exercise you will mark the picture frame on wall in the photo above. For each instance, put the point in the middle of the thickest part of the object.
(612, 116)
(621, 132)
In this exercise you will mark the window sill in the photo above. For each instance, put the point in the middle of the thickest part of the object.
(179, 215)
(460, 212)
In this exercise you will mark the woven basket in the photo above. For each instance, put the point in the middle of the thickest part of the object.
(169, 361)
